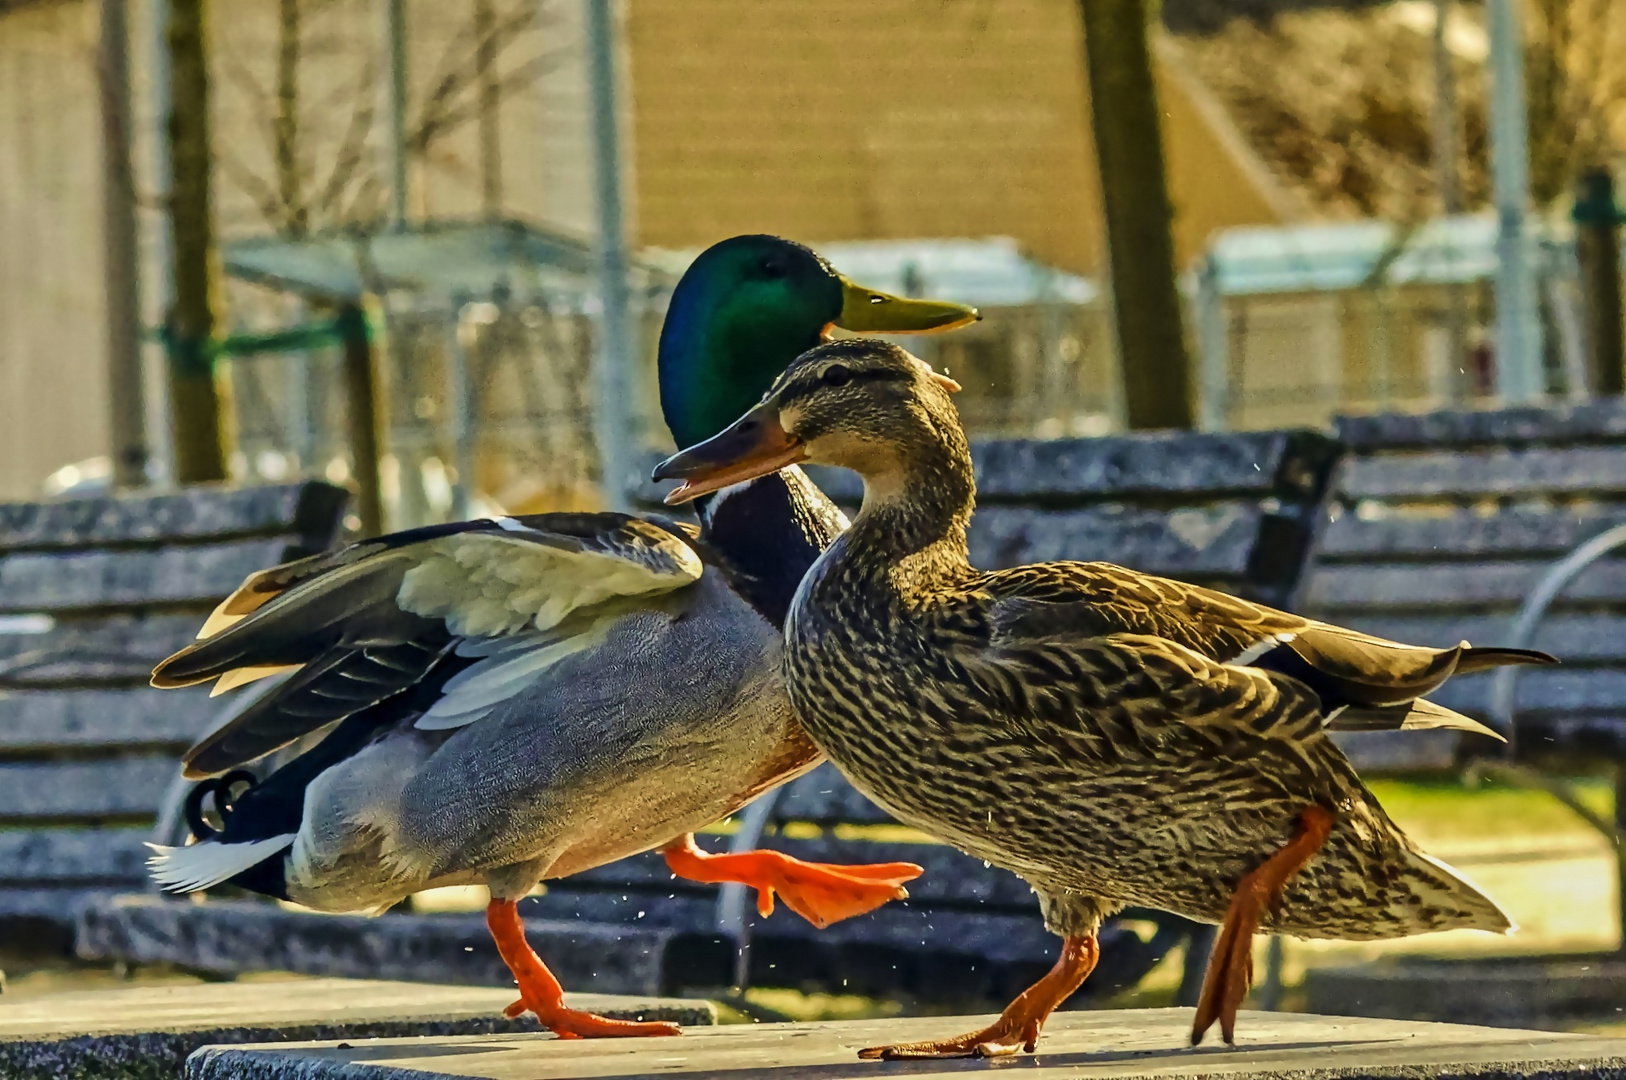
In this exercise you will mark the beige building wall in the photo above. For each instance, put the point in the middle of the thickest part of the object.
(838, 119)
(52, 385)
(821, 119)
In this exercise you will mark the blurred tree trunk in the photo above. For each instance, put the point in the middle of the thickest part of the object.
(194, 395)
(1135, 198)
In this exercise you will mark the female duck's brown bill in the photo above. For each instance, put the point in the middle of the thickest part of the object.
(754, 445)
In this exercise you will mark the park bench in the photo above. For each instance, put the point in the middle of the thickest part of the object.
(1237, 511)
(1445, 523)
(93, 592)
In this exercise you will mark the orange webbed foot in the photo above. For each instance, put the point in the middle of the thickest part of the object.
(541, 993)
(821, 893)
(1018, 1027)
(1230, 965)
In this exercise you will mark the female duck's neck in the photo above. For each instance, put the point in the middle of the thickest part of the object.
(924, 508)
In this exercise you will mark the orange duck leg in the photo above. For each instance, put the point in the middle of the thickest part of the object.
(541, 993)
(821, 893)
(1019, 1025)
(1230, 965)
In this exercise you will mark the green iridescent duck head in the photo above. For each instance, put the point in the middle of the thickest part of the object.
(747, 307)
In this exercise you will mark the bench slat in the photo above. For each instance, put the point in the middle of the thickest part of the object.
(308, 510)
(1210, 541)
(1459, 474)
(120, 649)
(1546, 536)
(1160, 464)
(1548, 691)
(1603, 420)
(824, 796)
(234, 936)
(36, 720)
(83, 856)
(76, 581)
(1570, 637)
(1391, 752)
(125, 788)
(1339, 588)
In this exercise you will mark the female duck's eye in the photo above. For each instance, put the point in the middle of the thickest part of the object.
(836, 375)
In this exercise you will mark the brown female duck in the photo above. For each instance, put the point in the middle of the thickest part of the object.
(1113, 738)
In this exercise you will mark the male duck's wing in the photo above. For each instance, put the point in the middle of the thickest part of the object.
(1363, 682)
(509, 596)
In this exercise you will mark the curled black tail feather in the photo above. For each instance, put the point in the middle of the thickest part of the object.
(225, 801)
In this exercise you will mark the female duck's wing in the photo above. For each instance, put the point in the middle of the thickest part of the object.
(1363, 682)
(477, 608)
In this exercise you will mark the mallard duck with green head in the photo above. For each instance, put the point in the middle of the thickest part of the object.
(1112, 737)
(516, 699)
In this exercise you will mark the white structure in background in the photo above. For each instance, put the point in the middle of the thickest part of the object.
(989, 272)
(1518, 320)
(1041, 363)
(1296, 323)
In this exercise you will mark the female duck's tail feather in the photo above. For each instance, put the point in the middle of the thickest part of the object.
(1461, 903)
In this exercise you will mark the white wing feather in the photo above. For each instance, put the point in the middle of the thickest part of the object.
(208, 863)
(486, 585)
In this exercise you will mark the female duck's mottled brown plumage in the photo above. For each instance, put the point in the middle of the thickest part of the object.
(1114, 738)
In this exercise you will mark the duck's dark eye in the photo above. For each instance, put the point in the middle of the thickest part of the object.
(773, 268)
(836, 375)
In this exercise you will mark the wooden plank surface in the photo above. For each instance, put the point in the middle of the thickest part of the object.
(294, 1002)
(308, 510)
(1570, 636)
(1603, 421)
(1496, 472)
(1210, 541)
(88, 857)
(1162, 463)
(52, 582)
(116, 649)
(1543, 535)
(119, 789)
(1553, 690)
(824, 795)
(36, 720)
(1122, 1045)
(1459, 587)
(148, 1032)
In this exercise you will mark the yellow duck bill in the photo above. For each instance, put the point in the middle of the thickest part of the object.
(754, 445)
(870, 311)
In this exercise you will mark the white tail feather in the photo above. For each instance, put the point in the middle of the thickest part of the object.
(209, 862)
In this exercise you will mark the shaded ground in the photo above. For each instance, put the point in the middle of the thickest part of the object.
(1552, 873)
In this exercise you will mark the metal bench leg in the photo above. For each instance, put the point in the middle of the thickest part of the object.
(1198, 946)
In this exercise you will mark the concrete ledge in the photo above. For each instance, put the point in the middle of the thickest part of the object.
(1117, 1045)
(231, 936)
(1499, 990)
(147, 1033)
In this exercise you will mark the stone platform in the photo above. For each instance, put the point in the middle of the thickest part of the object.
(146, 1033)
(1119, 1045)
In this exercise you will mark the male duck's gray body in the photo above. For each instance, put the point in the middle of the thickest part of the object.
(529, 698)
(586, 762)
